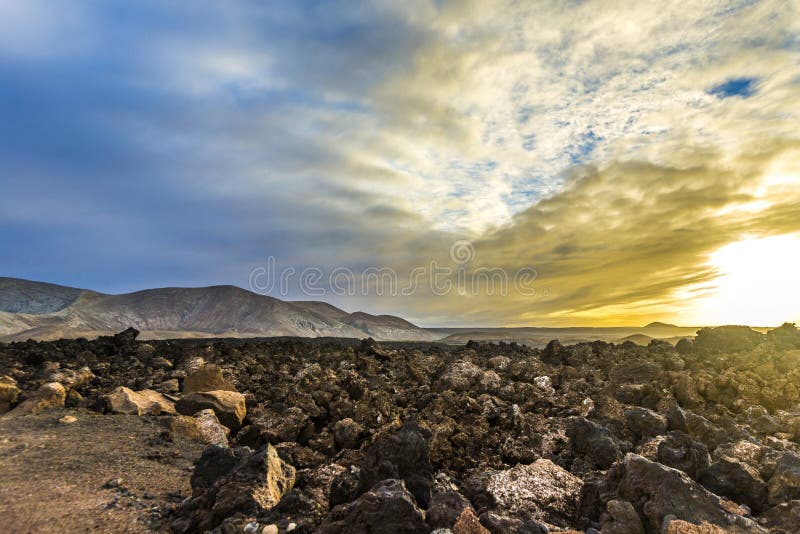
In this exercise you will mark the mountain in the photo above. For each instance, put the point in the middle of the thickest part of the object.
(47, 311)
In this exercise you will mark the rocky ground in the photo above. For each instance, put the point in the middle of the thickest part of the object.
(336, 436)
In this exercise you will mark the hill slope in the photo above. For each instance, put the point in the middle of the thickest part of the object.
(47, 311)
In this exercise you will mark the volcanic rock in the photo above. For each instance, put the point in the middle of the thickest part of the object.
(206, 378)
(657, 491)
(50, 396)
(387, 507)
(229, 406)
(785, 483)
(146, 402)
(622, 519)
(402, 455)
(738, 481)
(541, 491)
(229, 481)
(592, 440)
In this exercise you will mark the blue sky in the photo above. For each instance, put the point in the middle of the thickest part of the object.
(151, 143)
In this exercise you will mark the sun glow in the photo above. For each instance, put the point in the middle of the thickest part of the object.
(758, 283)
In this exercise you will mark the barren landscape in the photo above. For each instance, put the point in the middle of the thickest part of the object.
(337, 435)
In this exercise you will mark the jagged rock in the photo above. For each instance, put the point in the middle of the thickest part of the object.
(445, 508)
(541, 491)
(206, 378)
(622, 518)
(679, 451)
(288, 425)
(229, 406)
(50, 396)
(727, 339)
(744, 451)
(71, 378)
(783, 518)
(785, 482)
(347, 434)
(230, 481)
(386, 507)
(211, 430)
(461, 376)
(657, 491)
(401, 455)
(644, 395)
(592, 440)
(728, 477)
(704, 430)
(645, 423)
(146, 402)
(554, 353)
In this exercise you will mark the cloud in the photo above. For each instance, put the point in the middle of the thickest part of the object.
(586, 138)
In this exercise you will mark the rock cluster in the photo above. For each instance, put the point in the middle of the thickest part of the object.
(336, 436)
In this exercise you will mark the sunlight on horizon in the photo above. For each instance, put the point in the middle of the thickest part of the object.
(758, 283)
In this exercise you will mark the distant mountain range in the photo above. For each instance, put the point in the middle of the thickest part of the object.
(40, 310)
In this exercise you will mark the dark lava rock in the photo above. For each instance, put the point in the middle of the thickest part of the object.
(386, 507)
(645, 423)
(593, 441)
(784, 484)
(738, 481)
(401, 455)
(727, 339)
(256, 483)
(657, 491)
(679, 451)
(554, 353)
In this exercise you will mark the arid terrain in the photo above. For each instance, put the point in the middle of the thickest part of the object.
(338, 435)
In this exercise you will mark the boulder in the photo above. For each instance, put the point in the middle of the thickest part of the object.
(48, 397)
(229, 406)
(402, 455)
(658, 491)
(554, 353)
(645, 423)
(783, 518)
(679, 451)
(232, 481)
(347, 434)
(386, 507)
(785, 482)
(71, 378)
(593, 441)
(212, 432)
(145, 402)
(541, 491)
(738, 481)
(206, 378)
(460, 376)
(445, 508)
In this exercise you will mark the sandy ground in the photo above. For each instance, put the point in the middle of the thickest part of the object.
(52, 474)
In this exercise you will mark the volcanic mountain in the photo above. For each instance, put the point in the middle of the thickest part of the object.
(47, 311)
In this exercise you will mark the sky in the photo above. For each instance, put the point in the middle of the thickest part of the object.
(616, 162)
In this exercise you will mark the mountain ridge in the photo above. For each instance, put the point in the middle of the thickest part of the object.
(42, 310)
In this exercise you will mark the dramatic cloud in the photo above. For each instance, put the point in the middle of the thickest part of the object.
(613, 148)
